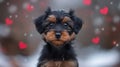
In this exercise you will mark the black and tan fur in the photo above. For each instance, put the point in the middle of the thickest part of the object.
(58, 29)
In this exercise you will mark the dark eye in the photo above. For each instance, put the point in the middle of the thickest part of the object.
(67, 26)
(51, 24)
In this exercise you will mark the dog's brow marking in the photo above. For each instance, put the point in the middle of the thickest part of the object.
(51, 18)
(66, 19)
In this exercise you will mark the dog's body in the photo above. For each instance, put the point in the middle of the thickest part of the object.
(58, 57)
(58, 29)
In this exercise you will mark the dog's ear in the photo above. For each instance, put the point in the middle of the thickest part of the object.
(48, 11)
(77, 24)
(77, 21)
(71, 12)
(40, 21)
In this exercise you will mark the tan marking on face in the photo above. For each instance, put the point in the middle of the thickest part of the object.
(51, 18)
(72, 37)
(50, 36)
(66, 19)
(58, 43)
(69, 64)
(60, 64)
(65, 37)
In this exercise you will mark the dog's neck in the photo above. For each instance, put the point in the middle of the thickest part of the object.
(51, 52)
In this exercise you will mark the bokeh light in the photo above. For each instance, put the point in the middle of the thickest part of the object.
(96, 45)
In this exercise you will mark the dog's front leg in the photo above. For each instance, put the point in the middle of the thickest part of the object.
(70, 63)
(42, 63)
(58, 64)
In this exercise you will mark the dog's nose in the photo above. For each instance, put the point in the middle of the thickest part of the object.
(57, 34)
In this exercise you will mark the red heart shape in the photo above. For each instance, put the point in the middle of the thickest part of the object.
(96, 40)
(87, 2)
(29, 7)
(22, 45)
(104, 10)
(8, 21)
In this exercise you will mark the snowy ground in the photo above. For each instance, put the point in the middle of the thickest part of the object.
(87, 57)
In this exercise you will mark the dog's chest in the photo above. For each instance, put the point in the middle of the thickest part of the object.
(60, 64)
(52, 57)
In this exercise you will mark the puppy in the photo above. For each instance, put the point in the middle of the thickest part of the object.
(58, 29)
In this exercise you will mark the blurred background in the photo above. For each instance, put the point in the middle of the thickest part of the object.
(96, 45)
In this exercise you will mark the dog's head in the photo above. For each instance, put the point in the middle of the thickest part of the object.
(58, 27)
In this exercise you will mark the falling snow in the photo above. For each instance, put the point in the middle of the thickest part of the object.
(4, 31)
(111, 3)
(17, 16)
(117, 45)
(7, 3)
(12, 9)
(97, 7)
(98, 21)
(114, 29)
(31, 35)
(25, 34)
(10, 16)
(102, 29)
(97, 31)
(116, 19)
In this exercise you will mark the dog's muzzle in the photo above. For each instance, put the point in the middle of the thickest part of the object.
(58, 35)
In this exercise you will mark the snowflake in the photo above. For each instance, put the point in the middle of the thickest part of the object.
(116, 19)
(98, 21)
(12, 9)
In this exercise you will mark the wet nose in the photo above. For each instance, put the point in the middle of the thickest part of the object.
(58, 34)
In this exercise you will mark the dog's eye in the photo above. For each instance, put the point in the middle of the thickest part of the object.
(67, 26)
(51, 24)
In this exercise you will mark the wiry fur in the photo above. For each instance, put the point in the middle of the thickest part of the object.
(58, 51)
